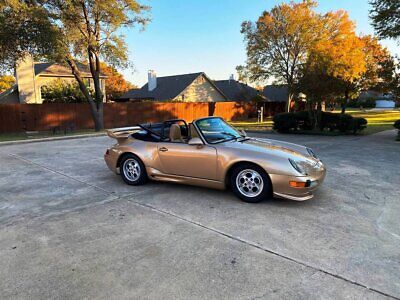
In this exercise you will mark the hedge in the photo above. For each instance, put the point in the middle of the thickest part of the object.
(293, 121)
(397, 124)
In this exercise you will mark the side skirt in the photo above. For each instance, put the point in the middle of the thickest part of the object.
(157, 175)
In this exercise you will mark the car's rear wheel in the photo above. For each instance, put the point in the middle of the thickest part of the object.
(250, 183)
(132, 170)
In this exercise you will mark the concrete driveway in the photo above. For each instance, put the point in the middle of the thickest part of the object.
(69, 228)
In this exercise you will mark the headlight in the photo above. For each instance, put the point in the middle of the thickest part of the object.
(311, 153)
(297, 167)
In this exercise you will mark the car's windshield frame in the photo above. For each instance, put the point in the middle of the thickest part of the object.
(229, 136)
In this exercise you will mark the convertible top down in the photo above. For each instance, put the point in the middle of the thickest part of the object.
(209, 152)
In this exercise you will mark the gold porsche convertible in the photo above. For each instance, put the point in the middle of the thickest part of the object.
(209, 152)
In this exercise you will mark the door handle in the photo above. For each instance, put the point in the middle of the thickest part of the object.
(163, 149)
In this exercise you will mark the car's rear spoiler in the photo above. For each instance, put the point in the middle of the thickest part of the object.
(123, 133)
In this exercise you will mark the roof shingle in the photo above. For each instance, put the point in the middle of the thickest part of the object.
(168, 87)
(235, 90)
(276, 93)
(55, 69)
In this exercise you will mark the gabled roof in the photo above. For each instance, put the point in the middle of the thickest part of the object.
(168, 87)
(55, 69)
(8, 92)
(276, 93)
(235, 90)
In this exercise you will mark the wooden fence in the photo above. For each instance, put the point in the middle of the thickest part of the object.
(44, 117)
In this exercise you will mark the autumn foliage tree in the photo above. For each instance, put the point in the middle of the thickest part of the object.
(116, 84)
(6, 81)
(341, 50)
(317, 54)
(278, 43)
(347, 62)
(379, 65)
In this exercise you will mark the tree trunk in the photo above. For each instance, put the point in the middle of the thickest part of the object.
(96, 109)
(310, 113)
(346, 100)
(289, 102)
(318, 116)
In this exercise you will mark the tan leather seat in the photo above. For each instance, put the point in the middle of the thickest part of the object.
(193, 131)
(175, 134)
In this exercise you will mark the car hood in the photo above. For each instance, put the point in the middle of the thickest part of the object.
(271, 146)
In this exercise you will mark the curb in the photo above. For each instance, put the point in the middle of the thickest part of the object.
(49, 139)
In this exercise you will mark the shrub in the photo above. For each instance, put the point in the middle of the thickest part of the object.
(369, 103)
(60, 91)
(366, 103)
(303, 119)
(353, 103)
(293, 121)
(345, 122)
(397, 124)
(359, 124)
(329, 121)
(285, 122)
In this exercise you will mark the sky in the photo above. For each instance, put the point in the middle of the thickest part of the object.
(187, 36)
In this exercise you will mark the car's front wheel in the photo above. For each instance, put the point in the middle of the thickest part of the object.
(132, 170)
(250, 183)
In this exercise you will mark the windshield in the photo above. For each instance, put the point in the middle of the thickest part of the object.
(216, 130)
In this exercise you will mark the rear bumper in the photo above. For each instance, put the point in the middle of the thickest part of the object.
(111, 159)
(282, 189)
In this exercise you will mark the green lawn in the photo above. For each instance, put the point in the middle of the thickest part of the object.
(252, 124)
(377, 121)
(39, 135)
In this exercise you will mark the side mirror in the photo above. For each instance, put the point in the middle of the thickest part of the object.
(243, 133)
(196, 142)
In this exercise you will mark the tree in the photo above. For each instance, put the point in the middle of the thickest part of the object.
(91, 29)
(379, 66)
(318, 86)
(243, 74)
(279, 42)
(392, 76)
(116, 84)
(60, 91)
(25, 27)
(341, 63)
(342, 51)
(86, 30)
(6, 82)
(385, 15)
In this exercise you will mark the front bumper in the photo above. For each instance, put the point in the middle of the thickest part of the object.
(282, 189)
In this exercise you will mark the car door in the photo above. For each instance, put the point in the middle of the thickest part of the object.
(188, 160)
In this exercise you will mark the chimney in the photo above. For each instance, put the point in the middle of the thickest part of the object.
(152, 80)
(232, 77)
(25, 75)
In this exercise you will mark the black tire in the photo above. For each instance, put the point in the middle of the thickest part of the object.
(258, 186)
(132, 170)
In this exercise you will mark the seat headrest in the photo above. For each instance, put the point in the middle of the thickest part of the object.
(193, 131)
(175, 133)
